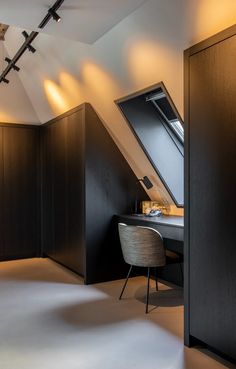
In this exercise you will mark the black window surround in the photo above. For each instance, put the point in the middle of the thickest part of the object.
(158, 127)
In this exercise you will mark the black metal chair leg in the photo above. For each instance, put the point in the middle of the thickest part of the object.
(156, 277)
(126, 281)
(148, 283)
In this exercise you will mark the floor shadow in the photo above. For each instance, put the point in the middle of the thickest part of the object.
(162, 298)
(96, 313)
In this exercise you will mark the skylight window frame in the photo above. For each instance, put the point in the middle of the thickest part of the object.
(153, 98)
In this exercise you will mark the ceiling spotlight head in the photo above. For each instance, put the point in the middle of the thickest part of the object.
(146, 181)
(25, 34)
(15, 67)
(31, 48)
(55, 16)
(5, 80)
(7, 60)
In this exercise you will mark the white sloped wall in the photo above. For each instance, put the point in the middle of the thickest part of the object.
(15, 105)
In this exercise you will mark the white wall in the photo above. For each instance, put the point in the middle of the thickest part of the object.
(145, 48)
(15, 106)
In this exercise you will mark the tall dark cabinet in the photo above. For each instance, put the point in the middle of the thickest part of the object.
(19, 192)
(2, 248)
(210, 183)
(63, 190)
(86, 181)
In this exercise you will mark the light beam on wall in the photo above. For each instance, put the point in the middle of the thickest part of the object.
(56, 97)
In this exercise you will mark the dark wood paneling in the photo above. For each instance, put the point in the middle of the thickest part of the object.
(211, 190)
(75, 192)
(47, 192)
(111, 188)
(59, 162)
(63, 197)
(186, 201)
(1, 196)
(20, 150)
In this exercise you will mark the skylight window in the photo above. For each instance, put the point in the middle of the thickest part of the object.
(178, 128)
(159, 130)
(162, 104)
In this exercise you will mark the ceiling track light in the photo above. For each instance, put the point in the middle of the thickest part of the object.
(55, 16)
(29, 38)
(52, 13)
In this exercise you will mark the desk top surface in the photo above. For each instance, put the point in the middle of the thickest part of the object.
(168, 220)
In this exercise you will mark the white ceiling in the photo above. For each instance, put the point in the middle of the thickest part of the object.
(82, 20)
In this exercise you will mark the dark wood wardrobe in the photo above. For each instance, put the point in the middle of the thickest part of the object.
(210, 184)
(86, 181)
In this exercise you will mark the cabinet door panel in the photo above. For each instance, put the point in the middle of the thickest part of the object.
(59, 200)
(1, 196)
(212, 196)
(47, 191)
(75, 192)
(20, 192)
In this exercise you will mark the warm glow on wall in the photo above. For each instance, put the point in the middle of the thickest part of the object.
(99, 82)
(6, 118)
(145, 62)
(56, 97)
(211, 16)
(72, 89)
(151, 62)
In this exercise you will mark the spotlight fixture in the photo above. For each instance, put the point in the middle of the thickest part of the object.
(5, 80)
(31, 48)
(55, 16)
(52, 13)
(15, 67)
(148, 184)
(146, 181)
(25, 34)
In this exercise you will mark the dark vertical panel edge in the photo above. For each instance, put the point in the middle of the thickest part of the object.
(186, 200)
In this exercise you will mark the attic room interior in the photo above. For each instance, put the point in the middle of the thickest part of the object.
(117, 184)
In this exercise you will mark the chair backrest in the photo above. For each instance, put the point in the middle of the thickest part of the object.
(141, 246)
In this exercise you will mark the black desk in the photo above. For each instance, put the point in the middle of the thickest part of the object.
(170, 227)
(172, 231)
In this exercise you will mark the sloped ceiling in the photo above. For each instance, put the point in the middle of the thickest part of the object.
(81, 20)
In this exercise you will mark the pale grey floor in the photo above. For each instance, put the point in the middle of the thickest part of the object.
(49, 319)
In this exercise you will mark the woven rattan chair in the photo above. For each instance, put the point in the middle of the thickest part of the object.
(143, 247)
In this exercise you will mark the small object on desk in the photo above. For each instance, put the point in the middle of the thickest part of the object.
(154, 213)
(148, 205)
